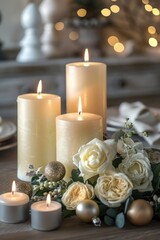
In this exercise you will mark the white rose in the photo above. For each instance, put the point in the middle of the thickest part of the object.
(95, 157)
(137, 168)
(113, 189)
(128, 146)
(76, 193)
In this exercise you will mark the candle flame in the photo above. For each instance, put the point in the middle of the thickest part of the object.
(48, 200)
(79, 105)
(39, 88)
(13, 187)
(86, 55)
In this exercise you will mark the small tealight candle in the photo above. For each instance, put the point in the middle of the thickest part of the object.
(14, 206)
(46, 215)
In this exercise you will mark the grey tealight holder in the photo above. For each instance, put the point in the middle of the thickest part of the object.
(14, 214)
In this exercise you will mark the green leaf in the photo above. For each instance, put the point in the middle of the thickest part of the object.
(108, 220)
(102, 209)
(112, 212)
(68, 213)
(156, 176)
(75, 176)
(141, 195)
(117, 161)
(120, 220)
(93, 180)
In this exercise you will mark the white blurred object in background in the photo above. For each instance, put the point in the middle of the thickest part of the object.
(30, 44)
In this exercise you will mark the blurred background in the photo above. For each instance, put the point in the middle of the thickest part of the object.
(38, 38)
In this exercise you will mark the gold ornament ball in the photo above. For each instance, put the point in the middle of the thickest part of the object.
(140, 212)
(87, 209)
(54, 171)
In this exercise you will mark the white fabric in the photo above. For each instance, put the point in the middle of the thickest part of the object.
(143, 119)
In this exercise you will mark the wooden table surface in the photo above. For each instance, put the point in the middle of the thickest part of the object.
(71, 228)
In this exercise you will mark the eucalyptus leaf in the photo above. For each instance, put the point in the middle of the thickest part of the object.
(127, 203)
(120, 220)
(108, 220)
(112, 212)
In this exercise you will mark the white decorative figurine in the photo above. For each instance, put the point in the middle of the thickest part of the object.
(30, 44)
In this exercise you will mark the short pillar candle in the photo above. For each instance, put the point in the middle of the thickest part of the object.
(72, 131)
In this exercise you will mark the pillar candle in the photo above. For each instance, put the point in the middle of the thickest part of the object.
(88, 80)
(14, 206)
(72, 131)
(36, 130)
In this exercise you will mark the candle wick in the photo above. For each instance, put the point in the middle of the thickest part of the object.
(13, 192)
(79, 112)
(47, 205)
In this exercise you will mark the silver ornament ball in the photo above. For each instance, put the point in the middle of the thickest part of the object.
(87, 209)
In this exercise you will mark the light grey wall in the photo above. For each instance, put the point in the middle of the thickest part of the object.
(11, 31)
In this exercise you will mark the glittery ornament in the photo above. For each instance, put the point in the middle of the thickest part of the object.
(24, 187)
(54, 171)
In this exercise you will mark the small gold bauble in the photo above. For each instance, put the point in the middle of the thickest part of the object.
(87, 209)
(54, 171)
(140, 212)
(24, 187)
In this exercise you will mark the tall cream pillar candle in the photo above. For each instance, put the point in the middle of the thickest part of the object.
(72, 131)
(36, 130)
(88, 80)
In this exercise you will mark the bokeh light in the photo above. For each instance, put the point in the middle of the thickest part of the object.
(73, 36)
(115, 8)
(151, 29)
(153, 42)
(112, 40)
(82, 12)
(105, 12)
(59, 26)
(119, 47)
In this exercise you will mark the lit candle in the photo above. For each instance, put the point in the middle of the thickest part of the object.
(36, 130)
(14, 206)
(46, 215)
(72, 131)
(88, 80)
